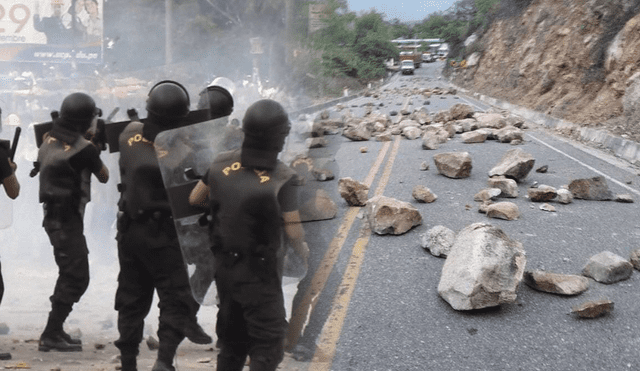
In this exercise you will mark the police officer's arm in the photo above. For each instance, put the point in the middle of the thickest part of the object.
(103, 174)
(198, 195)
(10, 183)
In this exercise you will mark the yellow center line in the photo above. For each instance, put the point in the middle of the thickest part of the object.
(301, 312)
(326, 348)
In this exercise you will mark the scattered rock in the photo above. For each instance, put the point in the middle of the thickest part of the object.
(625, 199)
(320, 207)
(438, 240)
(542, 193)
(483, 268)
(475, 136)
(503, 210)
(322, 175)
(317, 142)
(508, 134)
(554, 283)
(430, 141)
(508, 187)
(564, 196)
(424, 166)
(461, 111)
(354, 192)
(591, 189)
(453, 164)
(390, 216)
(411, 132)
(487, 194)
(482, 209)
(364, 149)
(593, 309)
(547, 207)
(542, 169)
(608, 267)
(423, 194)
(634, 258)
(153, 343)
(357, 133)
(515, 164)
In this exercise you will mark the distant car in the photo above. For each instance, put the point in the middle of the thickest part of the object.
(428, 57)
(407, 67)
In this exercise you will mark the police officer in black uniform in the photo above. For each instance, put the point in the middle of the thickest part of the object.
(12, 189)
(253, 200)
(64, 158)
(148, 250)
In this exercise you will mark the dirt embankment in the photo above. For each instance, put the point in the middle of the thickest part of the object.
(573, 59)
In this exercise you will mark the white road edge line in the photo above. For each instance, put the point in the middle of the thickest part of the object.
(585, 165)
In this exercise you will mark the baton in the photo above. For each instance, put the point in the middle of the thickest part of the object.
(14, 144)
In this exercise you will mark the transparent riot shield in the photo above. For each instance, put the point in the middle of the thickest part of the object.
(184, 155)
(6, 205)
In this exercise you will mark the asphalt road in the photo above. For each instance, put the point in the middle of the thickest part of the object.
(371, 302)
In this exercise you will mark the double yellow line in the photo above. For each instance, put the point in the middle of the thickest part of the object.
(330, 334)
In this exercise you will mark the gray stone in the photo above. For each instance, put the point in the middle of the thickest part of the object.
(542, 193)
(608, 267)
(595, 188)
(487, 194)
(423, 194)
(411, 132)
(564, 196)
(515, 164)
(483, 268)
(316, 142)
(390, 216)
(475, 136)
(554, 283)
(593, 309)
(453, 164)
(357, 133)
(547, 207)
(490, 120)
(319, 207)
(624, 198)
(430, 141)
(508, 134)
(634, 258)
(461, 111)
(354, 192)
(503, 210)
(438, 240)
(508, 187)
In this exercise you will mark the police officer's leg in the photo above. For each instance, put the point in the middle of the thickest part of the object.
(133, 296)
(266, 326)
(71, 256)
(232, 333)
(1, 284)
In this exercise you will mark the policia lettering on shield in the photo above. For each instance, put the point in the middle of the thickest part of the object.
(65, 161)
(148, 249)
(252, 197)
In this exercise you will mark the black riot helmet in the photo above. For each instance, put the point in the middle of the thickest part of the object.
(217, 99)
(265, 126)
(77, 112)
(168, 101)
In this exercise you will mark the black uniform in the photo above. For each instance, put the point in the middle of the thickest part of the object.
(246, 236)
(63, 157)
(5, 171)
(148, 250)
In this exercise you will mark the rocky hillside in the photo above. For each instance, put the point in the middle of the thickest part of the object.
(573, 59)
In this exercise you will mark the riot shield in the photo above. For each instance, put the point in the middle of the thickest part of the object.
(191, 147)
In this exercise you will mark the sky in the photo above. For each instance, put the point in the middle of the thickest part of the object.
(404, 10)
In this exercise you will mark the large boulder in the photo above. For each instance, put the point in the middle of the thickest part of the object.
(453, 164)
(461, 111)
(483, 269)
(595, 188)
(508, 187)
(515, 164)
(390, 216)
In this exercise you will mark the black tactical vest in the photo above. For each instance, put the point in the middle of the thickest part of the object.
(59, 182)
(141, 187)
(247, 220)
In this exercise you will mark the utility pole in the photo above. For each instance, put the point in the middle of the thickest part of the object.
(168, 31)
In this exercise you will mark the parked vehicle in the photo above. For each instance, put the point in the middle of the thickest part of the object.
(407, 67)
(428, 57)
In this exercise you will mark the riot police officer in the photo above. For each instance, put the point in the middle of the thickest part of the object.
(64, 158)
(12, 189)
(148, 250)
(253, 200)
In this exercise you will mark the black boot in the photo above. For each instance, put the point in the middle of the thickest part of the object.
(52, 338)
(166, 353)
(194, 332)
(128, 362)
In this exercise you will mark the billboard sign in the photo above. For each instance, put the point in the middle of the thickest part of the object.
(54, 31)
